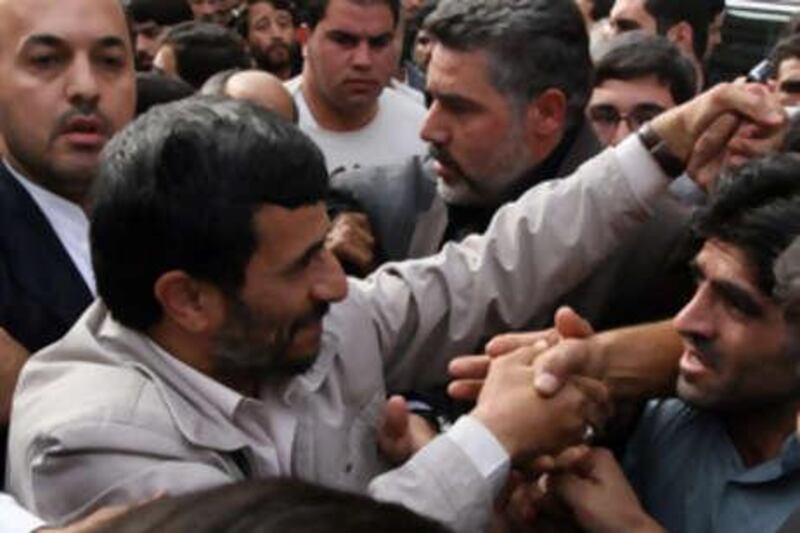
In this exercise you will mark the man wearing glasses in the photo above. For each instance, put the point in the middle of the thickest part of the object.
(635, 81)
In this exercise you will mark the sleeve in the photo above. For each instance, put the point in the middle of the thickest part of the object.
(454, 479)
(15, 519)
(535, 250)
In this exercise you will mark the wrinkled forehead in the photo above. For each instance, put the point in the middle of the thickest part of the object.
(68, 20)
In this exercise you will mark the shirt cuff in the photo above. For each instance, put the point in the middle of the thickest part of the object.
(14, 518)
(645, 177)
(483, 449)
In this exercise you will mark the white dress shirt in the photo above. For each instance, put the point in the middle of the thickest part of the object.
(15, 519)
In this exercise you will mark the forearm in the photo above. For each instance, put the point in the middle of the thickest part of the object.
(641, 361)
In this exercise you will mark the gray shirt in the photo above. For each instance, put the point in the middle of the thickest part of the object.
(690, 477)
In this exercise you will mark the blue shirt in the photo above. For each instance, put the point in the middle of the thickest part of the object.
(690, 477)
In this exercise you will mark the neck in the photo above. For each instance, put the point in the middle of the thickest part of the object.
(759, 433)
(198, 354)
(335, 118)
(77, 192)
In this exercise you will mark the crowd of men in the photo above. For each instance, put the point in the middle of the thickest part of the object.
(418, 265)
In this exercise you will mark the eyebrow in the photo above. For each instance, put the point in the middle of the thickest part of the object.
(53, 41)
(452, 99)
(741, 298)
(309, 252)
(334, 32)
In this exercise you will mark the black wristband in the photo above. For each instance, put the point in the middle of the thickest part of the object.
(669, 162)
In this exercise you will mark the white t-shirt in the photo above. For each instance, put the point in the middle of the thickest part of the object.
(15, 519)
(390, 138)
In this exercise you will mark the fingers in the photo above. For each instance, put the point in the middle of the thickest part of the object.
(465, 390)
(598, 406)
(569, 324)
(683, 126)
(563, 360)
(395, 417)
(754, 101)
(469, 367)
(351, 240)
(502, 344)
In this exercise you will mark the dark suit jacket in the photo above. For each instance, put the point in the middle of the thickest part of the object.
(41, 291)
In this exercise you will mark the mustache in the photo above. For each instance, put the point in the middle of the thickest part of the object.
(316, 315)
(704, 347)
(444, 157)
(82, 110)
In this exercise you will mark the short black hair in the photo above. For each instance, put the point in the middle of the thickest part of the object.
(154, 88)
(178, 189)
(697, 13)
(162, 12)
(271, 506)
(601, 9)
(756, 208)
(204, 48)
(786, 48)
(636, 55)
(532, 45)
(316, 9)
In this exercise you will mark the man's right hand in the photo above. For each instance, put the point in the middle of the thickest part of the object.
(469, 371)
(699, 132)
(528, 424)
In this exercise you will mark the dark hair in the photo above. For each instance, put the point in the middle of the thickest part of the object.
(162, 12)
(271, 506)
(757, 209)
(532, 45)
(177, 190)
(242, 22)
(636, 55)
(204, 48)
(697, 13)
(786, 48)
(153, 88)
(601, 9)
(316, 9)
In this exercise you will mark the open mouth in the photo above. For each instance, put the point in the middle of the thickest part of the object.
(86, 132)
(695, 363)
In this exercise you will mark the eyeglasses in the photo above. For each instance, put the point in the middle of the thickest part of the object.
(608, 117)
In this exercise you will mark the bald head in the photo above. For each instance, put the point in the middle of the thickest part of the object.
(263, 89)
(66, 86)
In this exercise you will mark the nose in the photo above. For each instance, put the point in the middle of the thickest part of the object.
(434, 128)
(696, 319)
(82, 85)
(362, 55)
(621, 132)
(331, 285)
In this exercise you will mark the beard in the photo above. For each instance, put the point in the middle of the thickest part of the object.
(275, 58)
(244, 345)
(491, 188)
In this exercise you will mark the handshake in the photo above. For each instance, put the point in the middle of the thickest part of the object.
(544, 395)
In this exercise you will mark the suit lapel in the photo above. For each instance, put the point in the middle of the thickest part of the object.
(35, 256)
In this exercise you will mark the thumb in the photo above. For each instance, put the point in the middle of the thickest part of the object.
(395, 417)
(570, 324)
